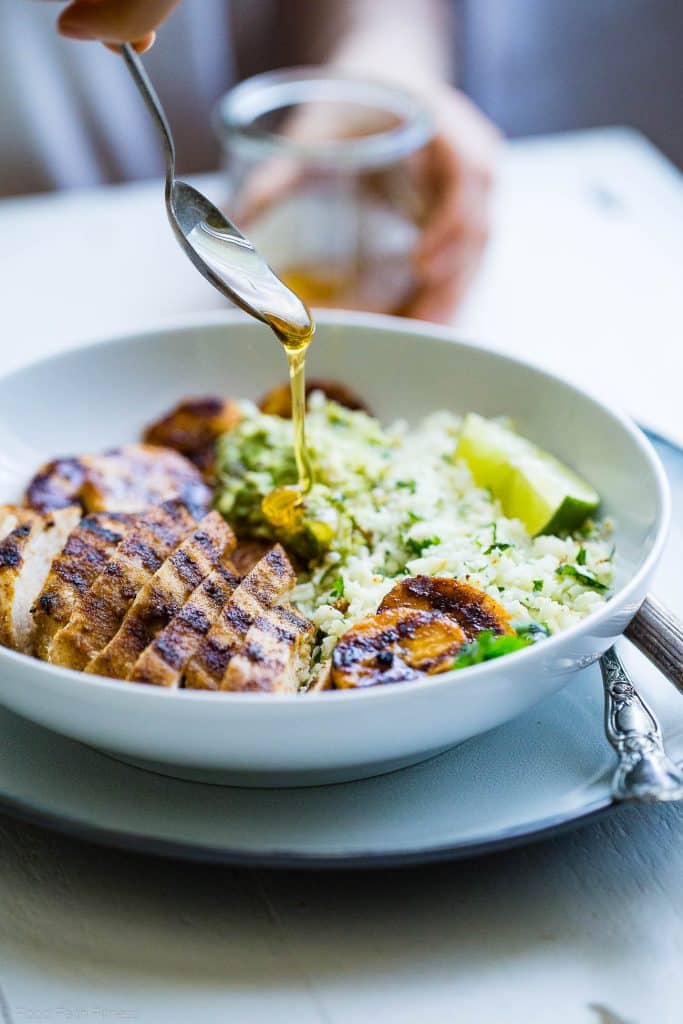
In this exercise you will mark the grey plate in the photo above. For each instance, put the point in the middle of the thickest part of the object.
(546, 771)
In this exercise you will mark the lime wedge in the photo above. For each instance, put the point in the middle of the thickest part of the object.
(531, 484)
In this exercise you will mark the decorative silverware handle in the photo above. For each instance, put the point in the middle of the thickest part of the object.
(659, 635)
(644, 772)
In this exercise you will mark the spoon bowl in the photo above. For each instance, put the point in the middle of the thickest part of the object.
(215, 246)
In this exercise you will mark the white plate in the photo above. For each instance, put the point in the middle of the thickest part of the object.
(102, 395)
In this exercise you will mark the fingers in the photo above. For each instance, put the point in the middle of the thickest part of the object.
(439, 302)
(115, 21)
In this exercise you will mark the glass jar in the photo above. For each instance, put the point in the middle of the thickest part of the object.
(321, 171)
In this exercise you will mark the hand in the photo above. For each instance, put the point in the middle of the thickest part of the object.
(113, 22)
(456, 173)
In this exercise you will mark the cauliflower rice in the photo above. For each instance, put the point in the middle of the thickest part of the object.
(395, 501)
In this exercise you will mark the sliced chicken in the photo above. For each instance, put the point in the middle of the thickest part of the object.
(248, 553)
(322, 680)
(275, 655)
(162, 663)
(278, 402)
(162, 596)
(96, 618)
(261, 588)
(127, 479)
(192, 428)
(394, 646)
(57, 484)
(26, 554)
(89, 547)
(470, 607)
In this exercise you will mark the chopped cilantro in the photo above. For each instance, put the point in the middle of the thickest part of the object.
(338, 588)
(586, 578)
(498, 546)
(416, 547)
(533, 630)
(408, 485)
(538, 585)
(413, 517)
(581, 557)
(487, 646)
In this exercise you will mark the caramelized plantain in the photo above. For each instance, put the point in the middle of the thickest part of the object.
(278, 402)
(395, 646)
(470, 607)
(192, 428)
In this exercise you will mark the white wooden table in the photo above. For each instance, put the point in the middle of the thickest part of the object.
(585, 276)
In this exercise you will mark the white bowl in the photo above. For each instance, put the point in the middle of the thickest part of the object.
(102, 395)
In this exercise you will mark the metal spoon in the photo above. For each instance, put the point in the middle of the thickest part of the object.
(215, 246)
(644, 772)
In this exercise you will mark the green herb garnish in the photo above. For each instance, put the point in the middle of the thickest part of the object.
(416, 547)
(533, 631)
(586, 578)
(488, 645)
(408, 485)
(498, 546)
(581, 557)
(538, 585)
(337, 588)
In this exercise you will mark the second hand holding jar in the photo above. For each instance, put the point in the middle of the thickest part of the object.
(323, 173)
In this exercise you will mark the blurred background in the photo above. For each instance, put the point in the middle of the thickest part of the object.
(533, 66)
(361, 198)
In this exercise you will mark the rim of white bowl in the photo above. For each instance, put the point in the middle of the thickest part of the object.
(399, 325)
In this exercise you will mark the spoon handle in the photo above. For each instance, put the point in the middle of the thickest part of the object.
(644, 771)
(153, 103)
(658, 633)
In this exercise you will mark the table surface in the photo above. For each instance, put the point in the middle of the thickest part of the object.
(584, 276)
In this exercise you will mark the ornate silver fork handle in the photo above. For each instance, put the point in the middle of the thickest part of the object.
(644, 771)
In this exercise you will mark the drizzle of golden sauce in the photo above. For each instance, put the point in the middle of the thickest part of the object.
(232, 258)
(284, 506)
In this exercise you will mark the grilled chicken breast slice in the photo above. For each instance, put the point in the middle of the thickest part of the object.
(163, 661)
(127, 479)
(26, 554)
(469, 606)
(395, 646)
(162, 596)
(192, 428)
(89, 547)
(261, 588)
(96, 618)
(275, 654)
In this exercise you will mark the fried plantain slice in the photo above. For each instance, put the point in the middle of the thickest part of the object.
(192, 428)
(469, 606)
(395, 646)
(278, 402)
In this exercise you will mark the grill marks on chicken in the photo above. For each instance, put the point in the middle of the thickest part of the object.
(260, 589)
(89, 547)
(30, 544)
(162, 663)
(97, 617)
(127, 479)
(275, 654)
(162, 596)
